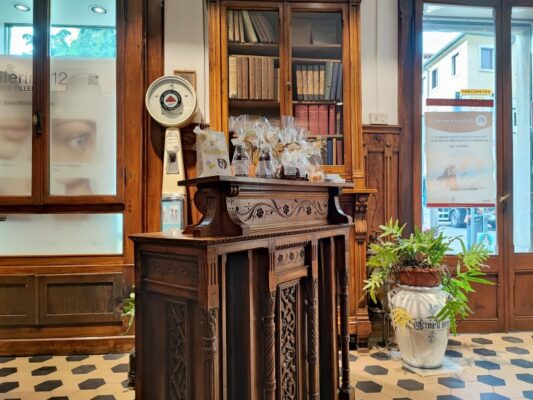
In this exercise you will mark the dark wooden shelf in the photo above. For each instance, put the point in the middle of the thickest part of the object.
(326, 136)
(325, 51)
(333, 102)
(236, 103)
(254, 49)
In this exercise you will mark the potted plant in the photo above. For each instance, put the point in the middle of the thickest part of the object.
(425, 299)
(128, 312)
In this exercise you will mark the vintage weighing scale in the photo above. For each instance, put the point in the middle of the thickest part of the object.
(171, 101)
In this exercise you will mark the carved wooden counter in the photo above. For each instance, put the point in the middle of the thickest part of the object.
(246, 316)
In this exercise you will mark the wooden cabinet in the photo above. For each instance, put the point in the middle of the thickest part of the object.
(247, 309)
(307, 55)
(294, 58)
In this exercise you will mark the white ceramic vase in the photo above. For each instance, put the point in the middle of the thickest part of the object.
(423, 345)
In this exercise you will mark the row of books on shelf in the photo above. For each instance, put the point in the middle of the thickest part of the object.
(253, 78)
(250, 27)
(319, 82)
(319, 119)
(333, 152)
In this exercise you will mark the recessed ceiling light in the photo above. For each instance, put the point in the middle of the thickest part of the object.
(21, 7)
(98, 9)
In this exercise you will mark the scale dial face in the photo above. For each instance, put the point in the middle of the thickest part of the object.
(171, 101)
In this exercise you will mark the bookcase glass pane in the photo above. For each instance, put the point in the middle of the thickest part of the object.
(253, 63)
(83, 127)
(316, 45)
(16, 85)
(61, 234)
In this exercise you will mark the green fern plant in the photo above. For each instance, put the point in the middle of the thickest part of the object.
(128, 309)
(393, 252)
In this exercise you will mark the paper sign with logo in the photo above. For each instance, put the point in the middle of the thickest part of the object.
(460, 159)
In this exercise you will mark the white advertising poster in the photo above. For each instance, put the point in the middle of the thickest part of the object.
(460, 159)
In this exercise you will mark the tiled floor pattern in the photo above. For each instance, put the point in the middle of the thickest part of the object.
(498, 367)
(76, 377)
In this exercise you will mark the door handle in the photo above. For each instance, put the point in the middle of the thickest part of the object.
(504, 198)
(37, 123)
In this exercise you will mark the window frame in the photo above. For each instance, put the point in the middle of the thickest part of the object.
(493, 58)
(41, 201)
(454, 64)
(434, 78)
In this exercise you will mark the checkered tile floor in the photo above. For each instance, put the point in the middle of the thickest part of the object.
(498, 367)
(76, 377)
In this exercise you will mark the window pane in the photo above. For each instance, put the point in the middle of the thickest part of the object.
(458, 126)
(83, 132)
(59, 234)
(16, 84)
(521, 45)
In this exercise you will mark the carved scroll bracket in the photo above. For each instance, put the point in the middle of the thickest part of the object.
(360, 225)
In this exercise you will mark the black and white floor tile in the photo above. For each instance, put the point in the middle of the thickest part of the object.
(497, 367)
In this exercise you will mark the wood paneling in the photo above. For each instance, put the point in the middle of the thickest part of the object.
(381, 147)
(17, 300)
(79, 299)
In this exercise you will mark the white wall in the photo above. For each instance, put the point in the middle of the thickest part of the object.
(379, 58)
(185, 49)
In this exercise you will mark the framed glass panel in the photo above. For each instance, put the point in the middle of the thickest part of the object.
(253, 63)
(61, 234)
(83, 124)
(16, 91)
(316, 40)
(459, 124)
(522, 109)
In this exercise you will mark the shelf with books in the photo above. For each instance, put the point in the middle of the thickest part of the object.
(254, 49)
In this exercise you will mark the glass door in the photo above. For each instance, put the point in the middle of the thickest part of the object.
(520, 162)
(460, 141)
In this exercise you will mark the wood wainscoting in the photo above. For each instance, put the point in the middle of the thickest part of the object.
(381, 148)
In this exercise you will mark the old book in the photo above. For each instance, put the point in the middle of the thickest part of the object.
(245, 78)
(232, 72)
(310, 87)
(251, 78)
(329, 157)
(241, 27)
(236, 29)
(301, 114)
(338, 121)
(269, 29)
(239, 78)
(340, 152)
(276, 84)
(248, 28)
(323, 113)
(263, 23)
(231, 35)
(299, 83)
(258, 78)
(304, 82)
(313, 120)
(331, 120)
(255, 17)
(334, 81)
(334, 140)
(264, 78)
(321, 76)
(270, 71)
(328, 70)
(316, 82)
(339, 83)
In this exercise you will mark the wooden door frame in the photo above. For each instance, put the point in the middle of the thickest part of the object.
(410, 111)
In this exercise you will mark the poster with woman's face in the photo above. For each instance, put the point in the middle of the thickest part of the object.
(15, 126)
(82, 126)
